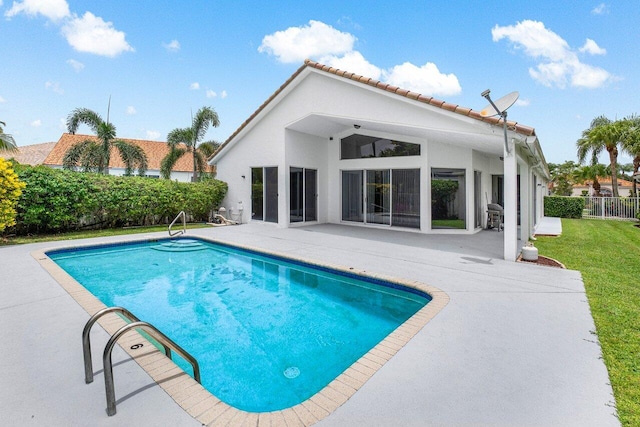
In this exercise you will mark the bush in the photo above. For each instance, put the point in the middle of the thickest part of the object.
(564, 207)
(58, 200)
(10, 190)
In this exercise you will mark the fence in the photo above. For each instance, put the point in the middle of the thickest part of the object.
(622, 208)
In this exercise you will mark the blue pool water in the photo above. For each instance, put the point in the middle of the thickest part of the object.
(268, 333)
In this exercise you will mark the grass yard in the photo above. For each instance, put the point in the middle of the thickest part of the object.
(607, 253)
(85, 234)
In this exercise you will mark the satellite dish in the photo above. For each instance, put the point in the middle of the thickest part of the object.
(501, 105)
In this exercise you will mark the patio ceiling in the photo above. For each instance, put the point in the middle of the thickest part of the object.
(474, 135)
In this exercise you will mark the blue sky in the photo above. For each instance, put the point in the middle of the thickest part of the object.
(161, 60)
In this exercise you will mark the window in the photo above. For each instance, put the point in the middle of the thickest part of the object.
(448, 197)
(362, 147)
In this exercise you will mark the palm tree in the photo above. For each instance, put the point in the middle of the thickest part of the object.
(205, 117)
(92, 155)
(631, 144)
(603, 134)
(6, 141)
(591, 173)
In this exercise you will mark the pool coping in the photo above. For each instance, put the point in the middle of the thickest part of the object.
(206, 408)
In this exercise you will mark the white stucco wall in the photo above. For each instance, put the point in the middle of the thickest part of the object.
(275, 138)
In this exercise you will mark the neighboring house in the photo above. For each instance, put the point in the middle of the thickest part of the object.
(624, 188)
(155, 151)
(334, 147)
(30, 154)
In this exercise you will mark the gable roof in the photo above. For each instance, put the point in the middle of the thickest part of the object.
(154, 150)
(468, 112)
(33, 154)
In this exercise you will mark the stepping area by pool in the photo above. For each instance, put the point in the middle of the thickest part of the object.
(514, 345)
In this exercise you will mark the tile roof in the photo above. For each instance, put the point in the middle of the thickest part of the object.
(522, 129)
(30, 154)
(607, 181)
(154, 150)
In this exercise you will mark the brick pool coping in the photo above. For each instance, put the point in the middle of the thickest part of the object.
(208, 409)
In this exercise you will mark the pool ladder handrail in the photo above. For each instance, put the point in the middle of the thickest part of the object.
(167, 343)
(184, 224)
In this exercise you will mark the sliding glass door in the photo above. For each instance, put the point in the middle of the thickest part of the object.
(264, 194)
(302, 195)
(378, 197)
(382, 196)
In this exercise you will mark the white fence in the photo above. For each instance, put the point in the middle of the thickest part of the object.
(623, 208)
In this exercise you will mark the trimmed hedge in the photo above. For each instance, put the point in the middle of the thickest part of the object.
(564, 207)
(57, 200)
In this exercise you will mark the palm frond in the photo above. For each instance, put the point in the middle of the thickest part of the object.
(132, 156)
(169, 161)
(83, 116)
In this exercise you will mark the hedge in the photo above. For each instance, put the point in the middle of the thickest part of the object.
(57, 200)
(563, 207)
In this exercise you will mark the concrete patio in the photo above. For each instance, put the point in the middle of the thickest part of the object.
(514, 346)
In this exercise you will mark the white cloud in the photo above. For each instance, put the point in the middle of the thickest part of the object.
(558, 64)
(523, 102)
(54, 10)
(426, 79)
(223, 94)
(55, 87)
(172, 46)
(211, 93)
(153, 135)
(92, 34)
(76, 65)
(194, 86)
(353, 62)
(315, 40)
(592, 47)
(62, 124)
(2, 100)
(600, 9)
(334, 48)
(36, 123)
(131, 110)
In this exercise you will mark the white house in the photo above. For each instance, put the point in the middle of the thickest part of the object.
(334, 147)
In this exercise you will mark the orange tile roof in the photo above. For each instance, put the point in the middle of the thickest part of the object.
(607, 181)
(30, 154)
(154, 150)
(522, 129)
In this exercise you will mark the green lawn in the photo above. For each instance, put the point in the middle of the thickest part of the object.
(607, 253)
(18, 240)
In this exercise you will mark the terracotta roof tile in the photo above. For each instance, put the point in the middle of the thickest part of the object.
(522, 129)
(154, 150)
(30, 154)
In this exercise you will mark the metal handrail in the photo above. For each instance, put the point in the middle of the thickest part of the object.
(157, 335)
(86, 341)
(184, 224)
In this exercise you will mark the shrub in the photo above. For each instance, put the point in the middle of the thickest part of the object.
(60, 200)
(10, 190)
(564, 207)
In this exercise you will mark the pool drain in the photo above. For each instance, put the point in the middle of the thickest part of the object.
(291, 372)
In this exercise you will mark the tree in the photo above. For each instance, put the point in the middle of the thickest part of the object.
(190, 137)
(562, 177)
(631, 144)
(603, 134)
(6, 141)
(94, 156)
(591, 173)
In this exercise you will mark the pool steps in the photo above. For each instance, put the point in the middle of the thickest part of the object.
(180, 245)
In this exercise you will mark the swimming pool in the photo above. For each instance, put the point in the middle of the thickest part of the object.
(236, 310)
